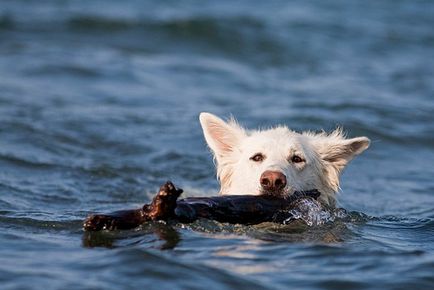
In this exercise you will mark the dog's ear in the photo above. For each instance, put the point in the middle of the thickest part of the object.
(337, 150)
(222, 137)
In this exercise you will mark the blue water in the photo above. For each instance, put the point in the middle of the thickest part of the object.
(99, 104)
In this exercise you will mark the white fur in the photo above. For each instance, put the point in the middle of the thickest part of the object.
(325, 156)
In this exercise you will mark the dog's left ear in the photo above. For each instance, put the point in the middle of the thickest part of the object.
(335, 152)
(339, 151)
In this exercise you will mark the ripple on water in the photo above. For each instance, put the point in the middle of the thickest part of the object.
(99, 103)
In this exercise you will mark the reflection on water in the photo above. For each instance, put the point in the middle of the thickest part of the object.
(165, 233)
(331, 229)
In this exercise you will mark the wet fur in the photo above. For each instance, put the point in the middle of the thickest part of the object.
(325, 155)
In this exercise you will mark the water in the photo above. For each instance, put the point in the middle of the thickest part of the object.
(99, 104)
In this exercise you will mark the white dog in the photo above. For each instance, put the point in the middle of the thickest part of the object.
(278, 160)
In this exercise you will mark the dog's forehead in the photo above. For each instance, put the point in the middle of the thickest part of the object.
(275, 139)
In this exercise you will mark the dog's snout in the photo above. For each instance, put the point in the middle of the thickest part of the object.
(273, 180)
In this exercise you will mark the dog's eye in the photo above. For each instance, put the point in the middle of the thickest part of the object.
(258, 157)
(296, 159)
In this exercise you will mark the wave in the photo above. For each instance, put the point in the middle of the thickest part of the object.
(190, 25)
(238, 35)
(18, 222)
(205, 26)
(6, 22)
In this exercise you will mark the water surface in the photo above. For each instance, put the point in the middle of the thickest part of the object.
(99, 104)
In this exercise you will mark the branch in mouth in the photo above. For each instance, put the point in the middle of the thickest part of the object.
(236, 209)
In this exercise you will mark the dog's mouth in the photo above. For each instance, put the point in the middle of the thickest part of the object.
(278, 192)
(291, 194)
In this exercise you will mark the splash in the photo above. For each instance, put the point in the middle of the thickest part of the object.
(313, 213)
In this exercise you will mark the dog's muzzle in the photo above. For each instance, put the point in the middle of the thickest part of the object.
(274, 181)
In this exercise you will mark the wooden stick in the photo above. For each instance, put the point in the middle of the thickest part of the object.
(241, 209)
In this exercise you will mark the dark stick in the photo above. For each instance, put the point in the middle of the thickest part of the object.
(241, 209)
(162, 207)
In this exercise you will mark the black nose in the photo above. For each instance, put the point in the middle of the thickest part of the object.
(273, 180)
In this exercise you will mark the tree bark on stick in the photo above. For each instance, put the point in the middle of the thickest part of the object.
(235, 209)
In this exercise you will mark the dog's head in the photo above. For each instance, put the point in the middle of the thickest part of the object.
(278, 161)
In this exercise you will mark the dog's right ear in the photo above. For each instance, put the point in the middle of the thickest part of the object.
(222, 137)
